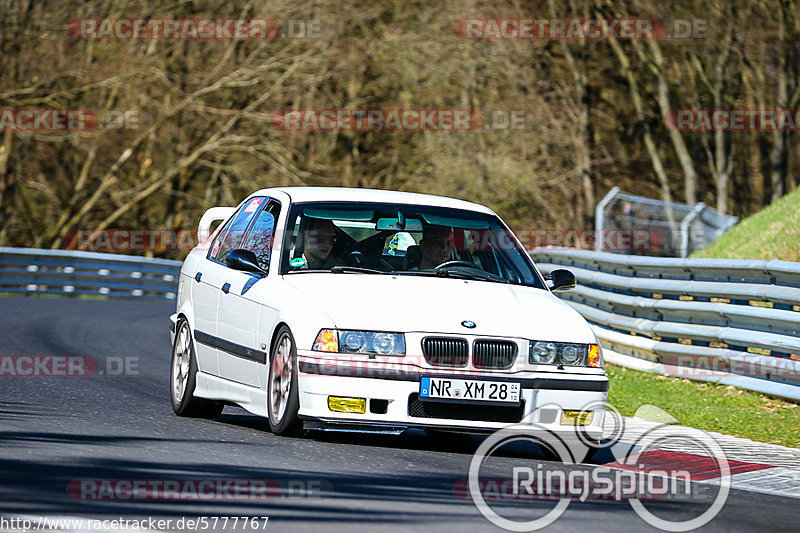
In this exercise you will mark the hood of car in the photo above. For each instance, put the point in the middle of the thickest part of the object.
(438, 305)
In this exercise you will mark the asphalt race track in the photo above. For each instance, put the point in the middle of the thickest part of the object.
(118, 425)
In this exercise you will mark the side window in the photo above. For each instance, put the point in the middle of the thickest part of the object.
(231, 237)
(262, 233)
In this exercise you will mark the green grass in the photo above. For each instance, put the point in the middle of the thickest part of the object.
(707, 406)
(772, 233)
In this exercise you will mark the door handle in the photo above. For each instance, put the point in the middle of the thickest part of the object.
(226, 288)
(198, 276)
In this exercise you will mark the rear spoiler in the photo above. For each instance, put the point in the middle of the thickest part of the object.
(208, 218)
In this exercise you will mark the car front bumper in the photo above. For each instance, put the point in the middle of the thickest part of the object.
(392, 402)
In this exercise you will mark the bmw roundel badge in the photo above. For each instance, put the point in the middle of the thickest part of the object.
(468, 324)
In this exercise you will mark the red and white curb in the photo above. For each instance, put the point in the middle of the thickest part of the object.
(754, 466)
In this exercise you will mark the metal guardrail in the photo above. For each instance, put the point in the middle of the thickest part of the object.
(730, 321)
(725, 320)
(65, 272)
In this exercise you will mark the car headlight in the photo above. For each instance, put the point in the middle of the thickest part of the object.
(386, 343)
(353, 341)
(564, 353)
(543, 353)
(369, 342)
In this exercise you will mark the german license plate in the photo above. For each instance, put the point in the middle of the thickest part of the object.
(469, 390)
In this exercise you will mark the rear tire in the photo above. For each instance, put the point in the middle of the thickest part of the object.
(183, 376)
(282, 395)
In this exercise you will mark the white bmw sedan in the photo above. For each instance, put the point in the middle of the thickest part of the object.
(366, 310)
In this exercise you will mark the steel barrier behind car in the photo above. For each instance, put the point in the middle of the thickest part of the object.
(730, 321)
(34, 271)
(723, 320)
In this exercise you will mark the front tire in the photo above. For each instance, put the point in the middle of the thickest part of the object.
(183, 376)
(588, 455)
(282, 396)
(449, 437)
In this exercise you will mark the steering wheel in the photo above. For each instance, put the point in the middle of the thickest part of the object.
(448, 264)
(389, 267)
(358, 258)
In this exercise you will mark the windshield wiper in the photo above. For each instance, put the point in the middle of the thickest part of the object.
(339, 269)
(476, 274)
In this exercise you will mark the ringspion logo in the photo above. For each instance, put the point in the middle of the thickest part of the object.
(643, 471)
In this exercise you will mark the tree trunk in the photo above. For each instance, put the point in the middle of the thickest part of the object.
(684, 159)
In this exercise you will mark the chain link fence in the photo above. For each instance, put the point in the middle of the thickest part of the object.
(673, 229)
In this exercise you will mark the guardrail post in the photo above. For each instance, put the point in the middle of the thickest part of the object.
(600, 217)
(687, 220)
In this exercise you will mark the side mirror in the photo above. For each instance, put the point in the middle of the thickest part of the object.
(563, 280)
(244, 260)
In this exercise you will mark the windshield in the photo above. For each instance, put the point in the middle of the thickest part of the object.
(402, 239)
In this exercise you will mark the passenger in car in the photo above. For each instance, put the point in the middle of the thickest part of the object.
(319, 239)
(436, 246)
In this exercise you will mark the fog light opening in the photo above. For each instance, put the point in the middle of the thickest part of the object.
(342, 404)
(577, 418)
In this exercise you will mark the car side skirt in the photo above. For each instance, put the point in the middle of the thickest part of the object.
(251, 399)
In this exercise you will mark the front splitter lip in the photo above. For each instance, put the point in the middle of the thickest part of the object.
(314, 423)
(322, 424)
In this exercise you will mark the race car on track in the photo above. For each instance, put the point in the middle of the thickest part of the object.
(367, 310)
